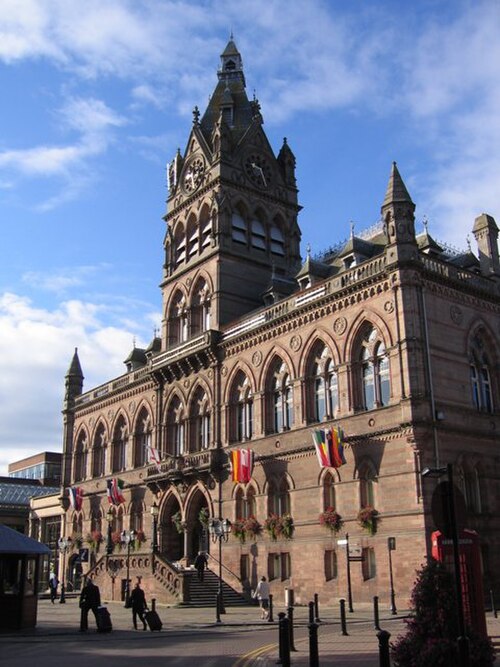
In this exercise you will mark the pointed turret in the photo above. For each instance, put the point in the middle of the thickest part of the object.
(74, 378)
(286, 160)
(398, 213)
(485, 231)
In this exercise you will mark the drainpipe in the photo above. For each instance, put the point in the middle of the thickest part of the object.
(429, 378)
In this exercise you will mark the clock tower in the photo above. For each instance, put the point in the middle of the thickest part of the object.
(231, 214)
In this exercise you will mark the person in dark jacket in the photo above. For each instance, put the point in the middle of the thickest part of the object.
(90, 599)
(200, 564)
(138, 604)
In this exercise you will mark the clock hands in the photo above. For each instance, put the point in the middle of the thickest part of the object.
(257, 169)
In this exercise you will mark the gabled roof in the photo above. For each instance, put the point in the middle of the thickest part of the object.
(12, 542)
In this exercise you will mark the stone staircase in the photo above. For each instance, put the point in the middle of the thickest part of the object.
(203, 593)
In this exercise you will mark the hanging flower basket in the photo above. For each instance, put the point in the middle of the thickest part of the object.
(368, 519)
(94, 539)
(252, 527)
(203, 517)
(279, 526)
(179, 524)
(238, 530)
(331, 520)
(140, 538)
(76, 540)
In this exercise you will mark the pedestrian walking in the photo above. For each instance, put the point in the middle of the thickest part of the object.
(261, 593)
(138, 604)
(53, 584)
(90, 599)
(200, 563)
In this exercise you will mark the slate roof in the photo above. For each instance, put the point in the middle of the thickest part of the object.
(17, 494)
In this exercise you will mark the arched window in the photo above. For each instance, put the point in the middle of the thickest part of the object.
(239, 229)
(200, 422)
(277, 241)
(98, 452)
(470, 486)
(179, 246)
(245, 502)
(80, 471)
(323, 390)
(96, 521)
(374, 371)
(120, 440)
(480, 375)
(258, 235)
(142, 438)
(206, 225)
(241, 409)
(280, 399)
(279, 496)
(193, 237)
(176, 428)
(136, 516)
(77, 524)
(177, 320)
(367, 486)
(200, 308)
(329, 496)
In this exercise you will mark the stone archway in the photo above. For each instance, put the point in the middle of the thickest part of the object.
(170, 539)
(197, 537)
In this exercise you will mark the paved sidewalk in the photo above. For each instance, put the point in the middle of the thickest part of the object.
(359, 648)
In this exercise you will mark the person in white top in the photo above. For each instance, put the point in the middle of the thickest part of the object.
(261, 593)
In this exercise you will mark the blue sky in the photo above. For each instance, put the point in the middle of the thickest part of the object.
(97, 96)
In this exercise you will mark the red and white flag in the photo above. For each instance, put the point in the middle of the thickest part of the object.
(242, 461)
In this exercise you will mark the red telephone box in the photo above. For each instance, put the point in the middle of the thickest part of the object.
(470, 573)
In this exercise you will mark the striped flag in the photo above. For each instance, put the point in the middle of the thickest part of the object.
(154, 457)
(242, 461)
(114, 491)
(329, 447)
(75, 497)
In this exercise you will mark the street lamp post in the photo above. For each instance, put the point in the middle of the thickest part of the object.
(219, 529)
(155, 510)
(391, 546)
(462, 640)
(109, 541)
(127, 537)
(64, 543)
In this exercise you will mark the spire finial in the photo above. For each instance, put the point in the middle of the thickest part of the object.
(468, 243)
(308, 251)
(353, 224)
(133, 342)
(231, 36)
(425, 223)
(196, 116)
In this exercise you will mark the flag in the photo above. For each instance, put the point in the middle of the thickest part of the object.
(154, 457)
(329, 447)
(242, 461)
(75, 497)
(114, 491)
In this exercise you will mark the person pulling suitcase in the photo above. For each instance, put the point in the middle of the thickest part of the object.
(138, 604)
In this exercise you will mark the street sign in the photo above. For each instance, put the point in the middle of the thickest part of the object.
(355, 550)
(391, 543)
(84, 555)
(342, 543)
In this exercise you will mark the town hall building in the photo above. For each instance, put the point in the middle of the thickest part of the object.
(391, 339)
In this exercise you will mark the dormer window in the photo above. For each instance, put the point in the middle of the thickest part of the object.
(349, 262)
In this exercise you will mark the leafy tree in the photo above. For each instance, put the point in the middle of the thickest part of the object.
(432, 633)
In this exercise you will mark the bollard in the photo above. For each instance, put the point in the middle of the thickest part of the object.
(289, 597)
(493, 608)
(343, 623)
(153, 604)
(290, 628)
(311, 612)
(376, 619)
(383, 648)
(313, 645)
(316, 608)
(270, 618)
(284, 639)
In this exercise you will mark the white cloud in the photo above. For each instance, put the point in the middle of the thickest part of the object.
(38, 345)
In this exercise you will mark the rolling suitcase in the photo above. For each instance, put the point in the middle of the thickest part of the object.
(103, 620)
(153, 621)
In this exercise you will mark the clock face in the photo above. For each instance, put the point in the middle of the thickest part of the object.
(258, 170)
(193, 175)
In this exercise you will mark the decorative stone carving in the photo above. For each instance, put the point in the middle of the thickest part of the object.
(223, 371)
(186, 384)
(389, 306)
(456, 314)
(340, 325)
(257, 358)
(131, 407)
(295, 343)
(111, 414)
